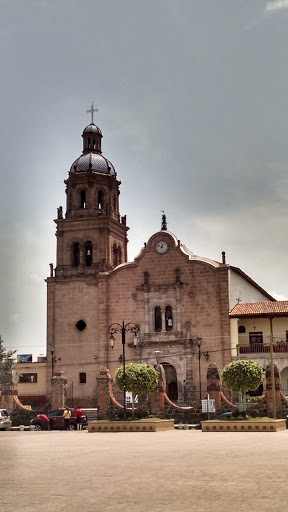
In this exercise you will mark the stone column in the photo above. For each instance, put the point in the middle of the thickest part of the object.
(8, 390)
(58, 390)
(213, 384)
(102, 393)
(146, 309)
(189, 388)
(6, 398)
(269, 386)
(157, 397)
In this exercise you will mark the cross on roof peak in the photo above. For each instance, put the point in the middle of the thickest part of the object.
(92, 110)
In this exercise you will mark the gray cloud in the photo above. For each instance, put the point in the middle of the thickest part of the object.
(193, 111)
(276, 5)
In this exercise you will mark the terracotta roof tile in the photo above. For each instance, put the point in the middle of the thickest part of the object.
(279, 307)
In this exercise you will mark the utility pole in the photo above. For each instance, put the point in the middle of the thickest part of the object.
(272, 371)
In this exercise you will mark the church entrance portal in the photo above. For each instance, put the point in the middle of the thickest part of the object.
(171, 381)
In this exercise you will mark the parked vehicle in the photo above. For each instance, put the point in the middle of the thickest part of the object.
(224, 415)
(56, 420)
(5, 421)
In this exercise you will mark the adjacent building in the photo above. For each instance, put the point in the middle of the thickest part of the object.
(259, 328)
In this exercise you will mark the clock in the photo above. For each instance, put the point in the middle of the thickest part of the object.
(161, 247)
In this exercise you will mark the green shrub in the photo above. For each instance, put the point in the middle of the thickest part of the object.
(253, 399)
(121, 414)
(242, 414)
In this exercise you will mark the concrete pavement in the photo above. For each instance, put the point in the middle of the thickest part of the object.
(171, 471)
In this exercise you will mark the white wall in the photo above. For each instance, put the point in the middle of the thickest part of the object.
(242, 289)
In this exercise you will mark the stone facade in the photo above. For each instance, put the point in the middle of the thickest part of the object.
(180, 301)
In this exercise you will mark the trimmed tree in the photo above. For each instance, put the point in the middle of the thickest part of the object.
(242, 376)
(139, 379)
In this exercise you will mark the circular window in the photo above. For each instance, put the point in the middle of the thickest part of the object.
(80, 325)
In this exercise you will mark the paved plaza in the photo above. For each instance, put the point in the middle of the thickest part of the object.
(184, 470)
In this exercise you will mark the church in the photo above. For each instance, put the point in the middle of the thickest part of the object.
(168, 306)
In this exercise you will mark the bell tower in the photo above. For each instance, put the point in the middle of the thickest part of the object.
(91, 236)
(91, 239)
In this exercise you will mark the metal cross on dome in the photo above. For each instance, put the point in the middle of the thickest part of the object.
(92, 110)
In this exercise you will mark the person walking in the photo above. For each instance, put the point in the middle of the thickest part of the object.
(67, 416)
(79, 414)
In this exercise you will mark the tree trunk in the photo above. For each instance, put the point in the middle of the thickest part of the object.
(244, 401)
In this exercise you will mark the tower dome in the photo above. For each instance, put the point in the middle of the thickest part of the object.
(92, 128)
(92, 162)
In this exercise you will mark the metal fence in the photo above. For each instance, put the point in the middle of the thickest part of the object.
(263, 348)
(139, 399)
(35, 401)
(182, 401)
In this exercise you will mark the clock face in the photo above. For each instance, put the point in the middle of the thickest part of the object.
(161, 247)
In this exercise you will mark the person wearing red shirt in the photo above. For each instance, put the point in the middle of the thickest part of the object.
(79, 414)
(45, 421)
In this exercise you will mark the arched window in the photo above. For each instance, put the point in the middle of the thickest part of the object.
(158, 319)
(114, 203)
(88, 254)
(88, 143)
(168, 318)
(119, 255)
(82, 378)
(75, 254)
(100, 200)
(241, 329)
(94, 144)
(83, 199)
(115, 255)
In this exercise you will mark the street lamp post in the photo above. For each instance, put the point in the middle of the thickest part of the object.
(123, 329)
(200, 353)
(52, 358)
(157, 353)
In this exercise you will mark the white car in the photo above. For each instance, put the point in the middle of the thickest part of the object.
(5, 422)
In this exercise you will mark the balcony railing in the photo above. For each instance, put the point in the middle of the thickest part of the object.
(262, 348)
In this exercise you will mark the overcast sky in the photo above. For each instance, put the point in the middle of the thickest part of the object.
(192, 99)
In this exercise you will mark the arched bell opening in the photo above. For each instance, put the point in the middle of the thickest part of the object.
(75, 254)
(88, 254)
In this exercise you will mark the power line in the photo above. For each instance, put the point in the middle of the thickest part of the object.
(281, 334)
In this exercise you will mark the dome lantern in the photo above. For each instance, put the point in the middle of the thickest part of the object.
(92, 136)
